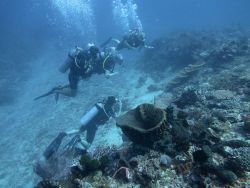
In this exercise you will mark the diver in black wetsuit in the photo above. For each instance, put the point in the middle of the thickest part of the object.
(54, 160)
(104, 111)
(98, 115)
(135, 39)
(84, 63)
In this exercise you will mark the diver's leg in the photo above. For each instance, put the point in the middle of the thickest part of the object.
(73, 82)
(71, 89)
(83, 128)
(128, 46)
(91, 131)
(67, 92)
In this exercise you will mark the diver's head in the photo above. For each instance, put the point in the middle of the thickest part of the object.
(89, 45)
(111, 100)
(113, 105)
(94, 51)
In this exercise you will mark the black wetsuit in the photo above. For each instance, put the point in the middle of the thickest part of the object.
(100, 119)
(78, 68)
(134, 40)
(84, 66)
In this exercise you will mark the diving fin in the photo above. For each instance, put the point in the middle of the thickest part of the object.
(77, 145)
(54, 145)
(50, 92)
(72, 143)
(45, 94)
(104, 44)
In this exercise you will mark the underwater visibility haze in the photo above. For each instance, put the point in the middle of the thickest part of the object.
(125, 93)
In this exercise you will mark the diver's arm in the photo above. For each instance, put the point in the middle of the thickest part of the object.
(148, 47)
(73, 131)
(127, 45)
(67, 91)
(108, 74)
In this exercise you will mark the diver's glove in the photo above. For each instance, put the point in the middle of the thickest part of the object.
(149, 47)
(108, 74)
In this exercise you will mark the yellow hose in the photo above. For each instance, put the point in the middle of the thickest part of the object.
(103, 64)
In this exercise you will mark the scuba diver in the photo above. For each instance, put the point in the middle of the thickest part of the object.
(134, 39)
(83, 63)
(57, 161)
(98, 115)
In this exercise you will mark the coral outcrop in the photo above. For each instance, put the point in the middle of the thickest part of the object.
(185, 75)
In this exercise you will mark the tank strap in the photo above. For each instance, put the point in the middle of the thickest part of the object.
(101, 106)
(104, 61)
(78, 50)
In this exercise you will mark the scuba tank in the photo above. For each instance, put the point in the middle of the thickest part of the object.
(101, 107)
(72, 55)
(87, 117)
(66, 65)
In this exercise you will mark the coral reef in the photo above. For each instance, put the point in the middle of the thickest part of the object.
(177, 50)
(184, 75)
(240, 158)
(185, 150)
(199, 137)
(181, 49)
(188, 97)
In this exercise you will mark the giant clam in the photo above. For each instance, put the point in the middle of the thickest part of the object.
(144, 125)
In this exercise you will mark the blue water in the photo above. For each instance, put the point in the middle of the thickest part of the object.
(35, 39)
